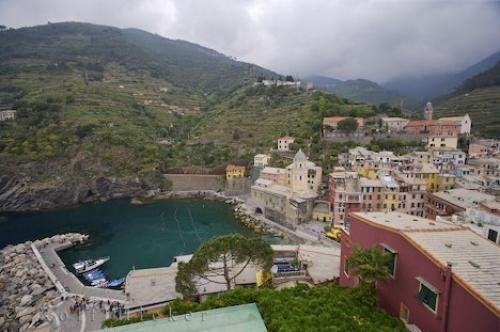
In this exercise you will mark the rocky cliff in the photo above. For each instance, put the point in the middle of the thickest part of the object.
(28, 187)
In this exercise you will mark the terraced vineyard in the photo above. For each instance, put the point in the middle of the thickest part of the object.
(483, 106)
(252, 118)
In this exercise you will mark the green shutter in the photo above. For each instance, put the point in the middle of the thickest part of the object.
(427, 296)
(392, 262)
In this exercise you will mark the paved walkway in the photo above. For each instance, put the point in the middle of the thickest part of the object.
(63, 319)
(69, 281)
(306, 232)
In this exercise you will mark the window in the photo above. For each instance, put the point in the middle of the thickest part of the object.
(427, 295)
(392, 263)
(404, 313)
(492, 235)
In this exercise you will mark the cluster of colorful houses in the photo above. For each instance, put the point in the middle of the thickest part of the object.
(435, 212)
(442, 132)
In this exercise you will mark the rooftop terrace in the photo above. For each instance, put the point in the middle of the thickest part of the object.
(403, 222)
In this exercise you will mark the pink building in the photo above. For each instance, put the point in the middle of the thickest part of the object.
(277, 175)
(477, 150)
(444, 277)
(344, 194)
(373, 193)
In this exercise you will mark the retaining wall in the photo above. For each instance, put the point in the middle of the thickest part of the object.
(193, 182)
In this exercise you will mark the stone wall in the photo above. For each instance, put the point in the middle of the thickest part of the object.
(25, 288)
(193, 182)
(237, 186)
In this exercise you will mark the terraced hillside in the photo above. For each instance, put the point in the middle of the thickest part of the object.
(98, 109)
(480, 97)
(252, 118)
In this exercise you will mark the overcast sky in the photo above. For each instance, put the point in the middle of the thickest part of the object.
(346, 39)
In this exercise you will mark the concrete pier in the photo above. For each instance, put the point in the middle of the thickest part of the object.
(66, 282)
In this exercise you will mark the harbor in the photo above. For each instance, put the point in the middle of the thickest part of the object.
(140, 246)
(70, 285)
(32, 305)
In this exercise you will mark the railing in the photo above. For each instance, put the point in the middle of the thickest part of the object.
(285, 274)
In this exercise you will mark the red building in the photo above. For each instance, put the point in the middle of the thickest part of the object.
(433, 127)
(444, 277)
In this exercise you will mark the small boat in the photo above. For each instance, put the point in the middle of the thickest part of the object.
(98, 282)
(116, 282)
(89, 264)
(93, 275)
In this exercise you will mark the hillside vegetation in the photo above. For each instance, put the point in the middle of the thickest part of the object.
(251, 119)
(361, 90)
(479, 96)
(99, 109)
(300, 308)
(107, 93)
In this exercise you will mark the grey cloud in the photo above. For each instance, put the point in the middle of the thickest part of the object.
(378, 40)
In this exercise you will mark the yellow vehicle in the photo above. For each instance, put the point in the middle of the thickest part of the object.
(334, 233)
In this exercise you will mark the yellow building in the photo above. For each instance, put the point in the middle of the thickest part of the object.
(368, 172)
(391, 193)
(445, 182)
(430, 175)
(391, 200)
(442, 142)
(235, 171)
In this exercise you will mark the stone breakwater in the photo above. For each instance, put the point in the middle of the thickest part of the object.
(208, 195)
(252, 223)
(26, 290)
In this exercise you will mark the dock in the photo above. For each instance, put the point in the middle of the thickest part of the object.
(66, 282)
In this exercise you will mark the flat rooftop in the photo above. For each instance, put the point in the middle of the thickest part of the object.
(463, 198)
(365, 182)
(403, 221)
(240, 318)
(494, 205)
(323, 262)
(273, 170)
(474, 259)
(149, 287)
(272, 188)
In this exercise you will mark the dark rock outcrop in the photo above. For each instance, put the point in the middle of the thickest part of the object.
(23, 190)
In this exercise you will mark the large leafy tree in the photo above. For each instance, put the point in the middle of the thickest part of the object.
(220, 260)
(348, 125)
(370, 265)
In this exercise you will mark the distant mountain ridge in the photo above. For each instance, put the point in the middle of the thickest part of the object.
(102, 112)
(184, 64)
(359, 89)
(431, 86)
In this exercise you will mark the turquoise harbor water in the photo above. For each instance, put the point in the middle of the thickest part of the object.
(132, 235)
